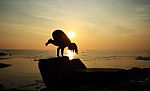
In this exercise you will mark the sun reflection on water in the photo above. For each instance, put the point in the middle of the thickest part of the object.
(70, 54)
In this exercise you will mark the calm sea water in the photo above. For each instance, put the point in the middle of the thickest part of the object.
(24, 72)
(91, 58)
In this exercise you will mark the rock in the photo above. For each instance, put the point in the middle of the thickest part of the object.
(142, 58)
(64, 73)
(1, 86)
(3, 54)
(61, 64)
(138, 74)
(2, 65)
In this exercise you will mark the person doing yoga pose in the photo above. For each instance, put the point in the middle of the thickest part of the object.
(61, 40)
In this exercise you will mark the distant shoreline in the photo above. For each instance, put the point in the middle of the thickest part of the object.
(80, 49)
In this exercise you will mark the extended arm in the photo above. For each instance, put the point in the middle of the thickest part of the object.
(52, 42)
(48, 42)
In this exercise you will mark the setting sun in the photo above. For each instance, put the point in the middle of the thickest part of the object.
(71, 34)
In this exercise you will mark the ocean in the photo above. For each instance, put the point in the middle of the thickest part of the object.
(24, 72)
(92, 58)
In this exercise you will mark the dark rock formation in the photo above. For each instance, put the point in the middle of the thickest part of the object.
(142, 58)
(64, 73)
(2, 65)
(61, 64)
(1, 86)
(3, 54)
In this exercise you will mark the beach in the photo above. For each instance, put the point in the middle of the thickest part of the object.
(23, 73)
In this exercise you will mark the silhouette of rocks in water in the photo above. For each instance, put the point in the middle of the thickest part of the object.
(142, 58)
(61, 40)
(2, 65)
(64, 73)
(3, 54)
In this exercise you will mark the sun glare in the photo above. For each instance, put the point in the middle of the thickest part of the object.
(70, 54)
(71, 34)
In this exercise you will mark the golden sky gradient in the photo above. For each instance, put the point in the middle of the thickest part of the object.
(98, 24)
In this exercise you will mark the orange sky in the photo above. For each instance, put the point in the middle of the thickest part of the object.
(98, 24)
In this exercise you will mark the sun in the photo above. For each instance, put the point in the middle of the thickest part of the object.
(71, 34)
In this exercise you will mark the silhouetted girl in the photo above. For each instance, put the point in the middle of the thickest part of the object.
(61, 40)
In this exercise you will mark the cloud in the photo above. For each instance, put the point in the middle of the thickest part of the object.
(16, 29)
(140, 2)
